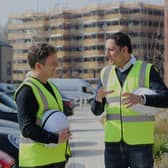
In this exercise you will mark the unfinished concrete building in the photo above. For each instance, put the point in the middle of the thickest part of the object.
(79, 36)
(143, 23)
(23, 31)
(66, 36)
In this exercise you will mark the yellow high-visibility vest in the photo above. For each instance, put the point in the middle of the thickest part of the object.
(123, 123)
(33, 153)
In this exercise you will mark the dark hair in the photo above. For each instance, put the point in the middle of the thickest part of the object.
(121, 40)
(39, 53)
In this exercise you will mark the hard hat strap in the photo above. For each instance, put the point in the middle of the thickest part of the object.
(48, 118)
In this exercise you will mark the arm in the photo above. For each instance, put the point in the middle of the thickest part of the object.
(157, 84)
(98, 107)
(27, 107)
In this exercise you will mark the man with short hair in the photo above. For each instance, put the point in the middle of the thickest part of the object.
(34, 96)
(129, 136)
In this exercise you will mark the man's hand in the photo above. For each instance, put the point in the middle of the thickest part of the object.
(64, 135)
(131, 99)
(101, 93)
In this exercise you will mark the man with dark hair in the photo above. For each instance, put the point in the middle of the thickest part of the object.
(128, 134)
(33, 97)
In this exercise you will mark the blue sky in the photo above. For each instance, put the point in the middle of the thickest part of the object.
(8, 7)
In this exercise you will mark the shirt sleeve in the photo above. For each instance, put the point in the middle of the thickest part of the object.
(27, 107)
(96, 107)
(157, 84)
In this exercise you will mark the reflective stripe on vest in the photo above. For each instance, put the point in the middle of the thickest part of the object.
(113, 100)
(106, 75)
(43, 97)
(137, 118)
(142, 75)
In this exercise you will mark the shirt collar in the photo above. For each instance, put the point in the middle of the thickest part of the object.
(132, 61)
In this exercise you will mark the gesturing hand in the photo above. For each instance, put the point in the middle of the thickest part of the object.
(131, 99)
(101, 93)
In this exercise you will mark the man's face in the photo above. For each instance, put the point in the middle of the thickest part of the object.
(49, 67)
(114, 53)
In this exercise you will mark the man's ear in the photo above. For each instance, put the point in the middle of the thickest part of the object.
(125, 49)
(38, 65)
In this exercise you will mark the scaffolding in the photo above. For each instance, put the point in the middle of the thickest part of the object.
(79, 35)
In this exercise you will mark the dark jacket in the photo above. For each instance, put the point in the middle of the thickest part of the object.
(27, 112)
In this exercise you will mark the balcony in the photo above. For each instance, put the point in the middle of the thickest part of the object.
(19, 77)
(112, 16)
(21, 45)
(66, 65)
(95, 41)
(61, 32)
(19, 56)
(93, 30)
(92, 18)
(63, 53)
(21, 67)
(76, 42)
(27, 25)
(93, 53)
(76, 53)
(15, 36)
(61, 43)
(113, 28)
(90, 64)
(59, 21)
(87, 75)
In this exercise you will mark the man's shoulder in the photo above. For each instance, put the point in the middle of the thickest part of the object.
(143, 62)
(107, 67)
(105, 72)
(23, 91)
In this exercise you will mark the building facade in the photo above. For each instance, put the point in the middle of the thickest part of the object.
(6, 53)
(79, 36)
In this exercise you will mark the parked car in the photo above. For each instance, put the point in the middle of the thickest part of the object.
(7, 100)
(7, 86)
(9, 145)
(8, 113)
(75, 88)
(9, 124)
(6, 161)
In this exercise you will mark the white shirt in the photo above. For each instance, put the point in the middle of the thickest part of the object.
(132, 61)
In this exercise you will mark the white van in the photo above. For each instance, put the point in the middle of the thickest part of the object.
(74, 88)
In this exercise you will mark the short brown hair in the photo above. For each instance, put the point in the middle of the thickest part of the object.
(121, 39)
(39, 53)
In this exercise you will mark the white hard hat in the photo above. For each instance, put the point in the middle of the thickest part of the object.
(143, 109)
(144, 91)
(54, 121)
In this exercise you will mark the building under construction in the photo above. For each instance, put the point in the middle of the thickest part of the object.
(79, 36)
